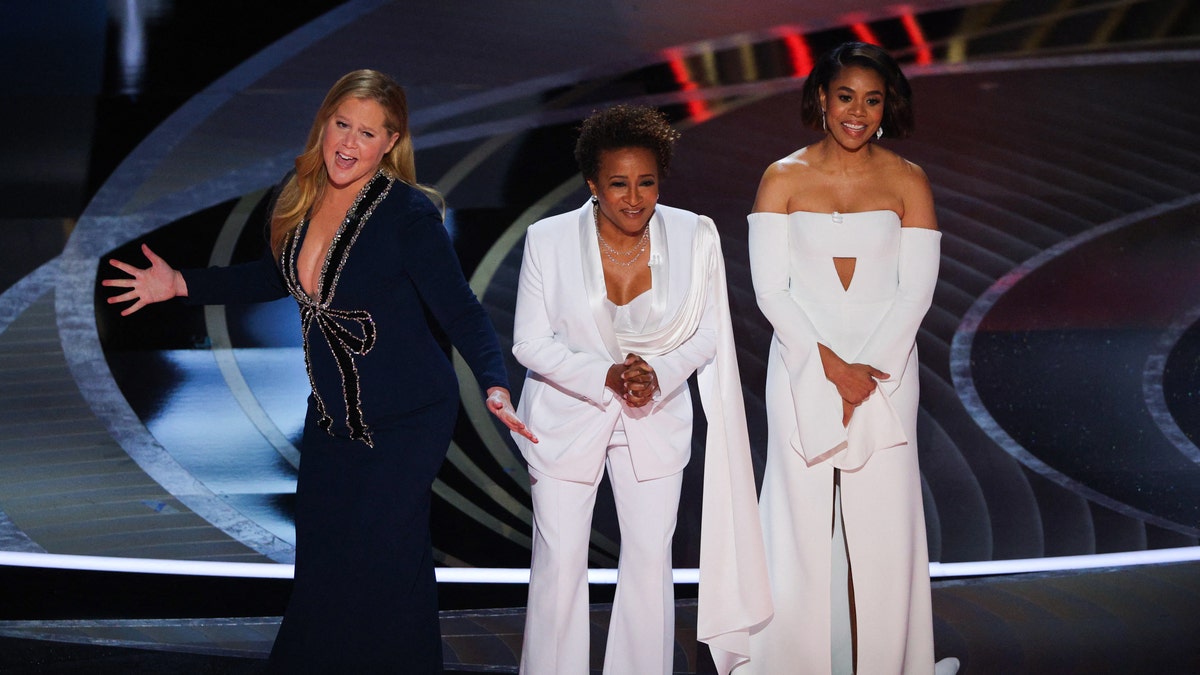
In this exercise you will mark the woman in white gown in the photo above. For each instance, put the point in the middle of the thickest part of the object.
(844, 252)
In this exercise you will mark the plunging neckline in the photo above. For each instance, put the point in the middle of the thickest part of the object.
(315, 293)
(349, 332)
(302, 233)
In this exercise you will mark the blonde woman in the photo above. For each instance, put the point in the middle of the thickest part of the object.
(362, 249)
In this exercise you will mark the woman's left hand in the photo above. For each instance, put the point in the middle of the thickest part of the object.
(641, 382)
(500, 404)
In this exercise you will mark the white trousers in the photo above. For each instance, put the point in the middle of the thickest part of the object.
(885, 536)
(641, 633)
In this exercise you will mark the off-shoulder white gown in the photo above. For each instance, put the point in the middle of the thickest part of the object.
(874, 320)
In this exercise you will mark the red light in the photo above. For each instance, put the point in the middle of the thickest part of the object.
(864, 34)
(923, 52)
(799, 54)
(697, 109)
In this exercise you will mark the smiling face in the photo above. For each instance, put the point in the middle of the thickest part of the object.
(355, 141)
(853, 104)
(627, 189)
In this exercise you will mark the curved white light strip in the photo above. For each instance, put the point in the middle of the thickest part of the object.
(964, 380)
(1064, 563)
(497, 575)
(223, 349)
(1152, 384)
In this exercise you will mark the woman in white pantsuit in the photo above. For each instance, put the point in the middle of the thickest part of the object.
(844, 252)
(618, 303)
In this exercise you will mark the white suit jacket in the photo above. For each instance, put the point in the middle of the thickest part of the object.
(563, 334)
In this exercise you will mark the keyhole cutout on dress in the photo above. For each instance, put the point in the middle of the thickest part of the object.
(845, 270)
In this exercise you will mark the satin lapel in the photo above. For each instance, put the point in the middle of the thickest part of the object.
(593, 282)
(660, 271)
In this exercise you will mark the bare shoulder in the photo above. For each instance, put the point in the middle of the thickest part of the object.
(792, 167)
(912, 174)
(912, 185)
(782, 179)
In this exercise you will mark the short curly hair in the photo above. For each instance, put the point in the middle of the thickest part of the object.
(897, 99)
(624, 126)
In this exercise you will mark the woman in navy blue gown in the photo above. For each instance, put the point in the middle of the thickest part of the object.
(362, 249)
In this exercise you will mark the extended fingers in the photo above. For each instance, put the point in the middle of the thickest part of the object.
(515, 424)
(120, 283)
(124, 267)
(134, 307)
(124, 297)
(508, 416)
(500, 405)
(151, 255)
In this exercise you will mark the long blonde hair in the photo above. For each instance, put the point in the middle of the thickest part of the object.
(306, 187)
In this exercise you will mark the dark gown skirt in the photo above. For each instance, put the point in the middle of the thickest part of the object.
(365, 597)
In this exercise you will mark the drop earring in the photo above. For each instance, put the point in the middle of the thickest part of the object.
(595, 200)
(823, 127)
(879, 132)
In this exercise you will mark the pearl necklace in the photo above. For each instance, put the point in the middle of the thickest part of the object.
(611, 253)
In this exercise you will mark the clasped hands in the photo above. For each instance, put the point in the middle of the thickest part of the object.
(633, 380)
(854, 381)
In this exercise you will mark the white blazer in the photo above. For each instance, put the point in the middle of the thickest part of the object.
(563, 334)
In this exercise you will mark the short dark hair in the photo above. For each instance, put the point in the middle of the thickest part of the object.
(624, 126)
(897, 99)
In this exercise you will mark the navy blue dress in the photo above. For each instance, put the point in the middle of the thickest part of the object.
(380, 417)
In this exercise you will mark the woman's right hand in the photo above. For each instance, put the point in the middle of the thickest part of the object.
(156, 283)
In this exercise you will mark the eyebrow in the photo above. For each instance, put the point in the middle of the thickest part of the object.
(343, 118)
(851, 89)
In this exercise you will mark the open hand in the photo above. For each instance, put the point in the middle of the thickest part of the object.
(500, 404)
(156, 283)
